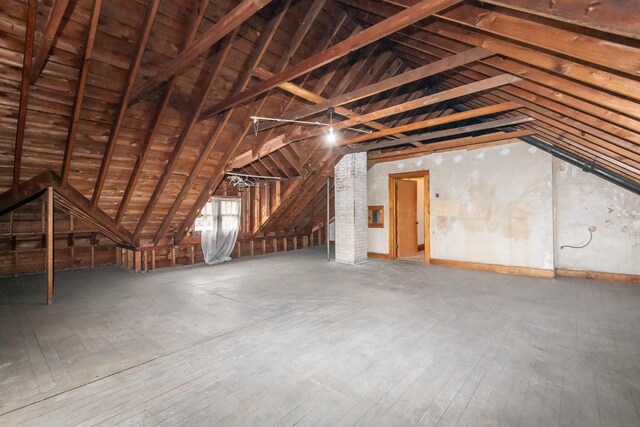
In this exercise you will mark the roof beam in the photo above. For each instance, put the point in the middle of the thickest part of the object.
(201, 89)
(593, 101)
(224, 163)
(27, 63)
(474, 113)
(134, 67)
(80, 88)
(555, 67)
(409, 16)
(493, 124)
(217, 32)
(619, 17)
(457, 143)
(411, 76)
(197, 15)
(475, 87)
(48, 36)
(276, 143)
(582, 47)
(244, 78)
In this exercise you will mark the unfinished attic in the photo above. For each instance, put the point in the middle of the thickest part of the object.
(320, 212)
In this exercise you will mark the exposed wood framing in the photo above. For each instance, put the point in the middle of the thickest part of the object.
(392, 24)
(56, 13)
(217, 32)
(27, 63)
(134, 67)
(80, 90)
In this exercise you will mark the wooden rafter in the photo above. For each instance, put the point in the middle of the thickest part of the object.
(255, 57)
(584, 48)
(546, 110)
(469, 89)
(217, 32)
(563, 102)
(225, 161)
(197, 13)
(54, 20)
(80, 90)
(134, 67)
(411, 76)
(473, 113)
(390, 25)
(25, 86)
(456, 143)
(492, 124)
(216, 62)
(619, 17)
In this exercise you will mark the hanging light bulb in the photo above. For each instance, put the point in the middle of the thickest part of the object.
(331, 136)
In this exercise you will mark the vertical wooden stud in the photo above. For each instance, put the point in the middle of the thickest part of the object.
(137, 261)
(153, 259)
(50, 245)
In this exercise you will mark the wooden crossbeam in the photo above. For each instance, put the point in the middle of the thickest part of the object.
(580, 46)
(51, 27)
(407, 17)
(217, 32)
(479, 86)
(457, 143)
(202, 91)
(277, 143)
(544, 106)
(535, 90)
(134, 67)
(493, 124)
(478, 112)
(618, 17)
(216, 178)
(197, 14)
(80, 90)
(25, 86)
(411, 76)
(256, 56)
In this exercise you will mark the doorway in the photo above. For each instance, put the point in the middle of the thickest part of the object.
(409, 216)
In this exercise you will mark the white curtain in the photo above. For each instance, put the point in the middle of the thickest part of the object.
(220, 223)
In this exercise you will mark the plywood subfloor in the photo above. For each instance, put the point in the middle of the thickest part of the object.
(288, 338)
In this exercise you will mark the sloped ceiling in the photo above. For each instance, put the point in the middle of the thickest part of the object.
(141, 106)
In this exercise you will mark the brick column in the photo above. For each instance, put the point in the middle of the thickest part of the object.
(351, 208)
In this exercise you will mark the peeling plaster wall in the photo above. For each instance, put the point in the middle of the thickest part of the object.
(485, 212)
(583, 200)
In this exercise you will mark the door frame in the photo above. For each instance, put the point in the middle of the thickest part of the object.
(393, 238)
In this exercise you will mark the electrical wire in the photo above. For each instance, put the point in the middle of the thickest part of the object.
(583, 246)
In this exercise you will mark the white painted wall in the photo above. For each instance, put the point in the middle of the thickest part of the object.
(515, 205)
(583, 200)
(484, 212)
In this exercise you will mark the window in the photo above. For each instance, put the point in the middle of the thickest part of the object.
(206, 211)
(228, 215)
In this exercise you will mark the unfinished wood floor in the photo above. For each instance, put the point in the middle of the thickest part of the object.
(289, 339)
